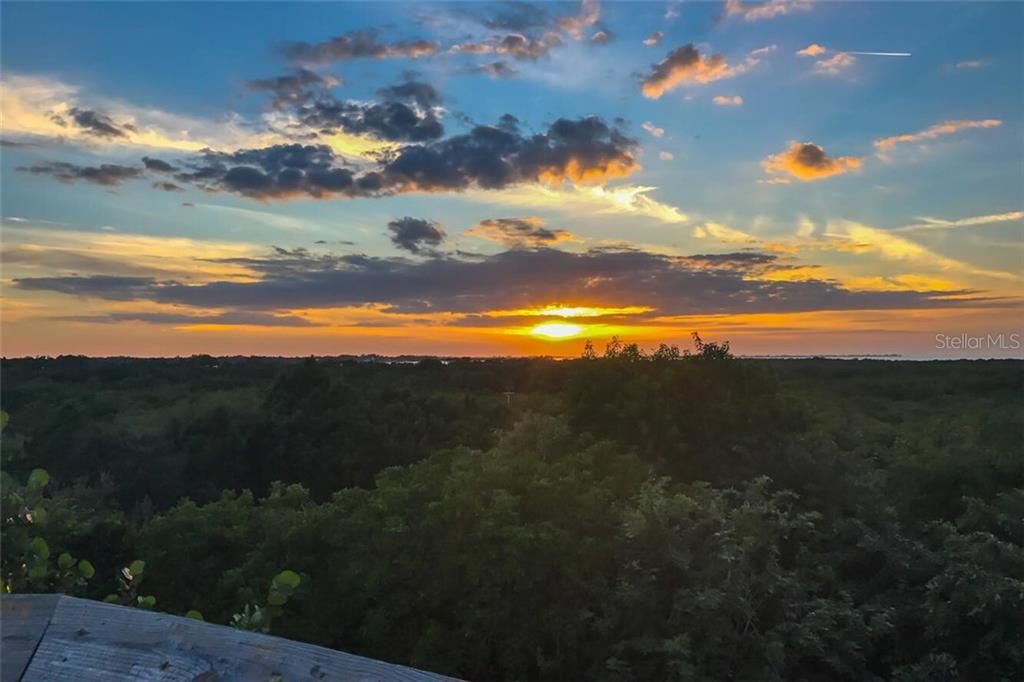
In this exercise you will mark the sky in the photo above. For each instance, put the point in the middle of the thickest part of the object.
(794, 176)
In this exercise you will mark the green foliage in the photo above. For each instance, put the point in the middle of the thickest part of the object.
(259, 618)
(28, 564)
(643, 514)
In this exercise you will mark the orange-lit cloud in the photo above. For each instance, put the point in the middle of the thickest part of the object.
(807, 162)
(812, 50)
(835, 65)
(686, 66)
(885, 145)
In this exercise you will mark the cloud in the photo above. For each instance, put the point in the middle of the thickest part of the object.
(972, 64)
(512, 16)
(516, 279)
(653, 129)
(812, 50)
(895, 247)
(27, 250)
(157, 165)
(498, 69)
(294, 88)
(724, 101)
(885, 145)
(723, 234)
(758, 11)
(686, 66)
(416, 235)
(834, 65)
(519, 233)
(575, 24)
(356, 45)
(600, 38)
(407, 113)
(35, 109)
(165, 186)
(514, 45)
(665, 156)
(585, 150)
(654, 39)
(807, 162)
(627, 200)
(107, 174)
(973, 221)
(95, 123)
(234, 318)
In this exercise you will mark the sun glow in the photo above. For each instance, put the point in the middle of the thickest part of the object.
(556, 330)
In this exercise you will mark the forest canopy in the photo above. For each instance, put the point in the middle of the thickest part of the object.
(628, 515)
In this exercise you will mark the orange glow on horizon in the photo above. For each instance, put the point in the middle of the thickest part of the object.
(556, 330)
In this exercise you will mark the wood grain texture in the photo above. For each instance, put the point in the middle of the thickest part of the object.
(89, 641)
(23, 620)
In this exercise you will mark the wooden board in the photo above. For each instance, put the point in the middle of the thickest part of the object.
(23, 620)
(88, 641)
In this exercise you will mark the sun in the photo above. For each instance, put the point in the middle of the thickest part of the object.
(556, 330)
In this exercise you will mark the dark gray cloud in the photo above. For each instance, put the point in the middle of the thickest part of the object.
(416, 235)
(96, 123)
(158, 165)
(107, 174)
(293, 89)
(165, 186)
(17, 144)
(423, 94)
(297, 279)
(406, 113)
(244, 317)
(356, 45)
(487, 157)
(513, 45)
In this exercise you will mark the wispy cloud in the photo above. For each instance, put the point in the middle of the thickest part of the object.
(759, 11)
(653, 129)
(727, 101)
(632, 200)
(972, 64)
(40, 107)
(973, 221)
(838, 63)
(884, 146)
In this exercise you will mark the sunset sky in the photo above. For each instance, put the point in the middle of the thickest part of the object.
(513, 178)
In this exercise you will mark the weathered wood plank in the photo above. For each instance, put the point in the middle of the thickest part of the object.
(23, 620)
(89, 641)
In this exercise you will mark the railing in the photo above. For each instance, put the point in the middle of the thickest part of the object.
(54, 638)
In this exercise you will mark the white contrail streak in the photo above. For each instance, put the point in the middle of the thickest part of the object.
(881, 54)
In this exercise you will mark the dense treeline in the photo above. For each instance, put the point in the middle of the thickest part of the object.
(635, 516)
